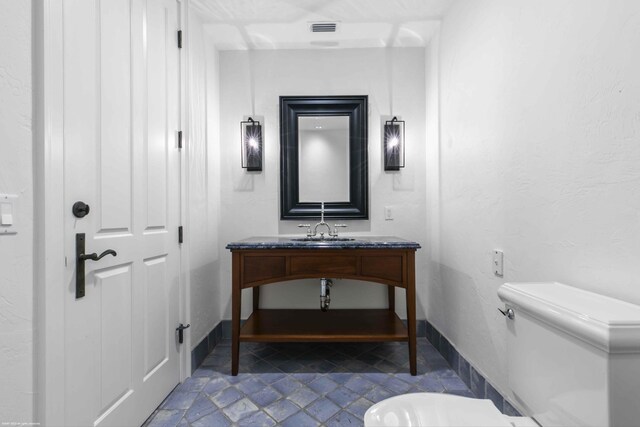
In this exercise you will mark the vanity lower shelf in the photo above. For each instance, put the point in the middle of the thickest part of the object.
(289, 325)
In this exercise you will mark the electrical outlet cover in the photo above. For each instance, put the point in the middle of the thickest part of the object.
(498, 262)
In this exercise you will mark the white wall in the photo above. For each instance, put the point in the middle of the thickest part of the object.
(203, 176)
(539, 155)
(16, 177)
(251, 83)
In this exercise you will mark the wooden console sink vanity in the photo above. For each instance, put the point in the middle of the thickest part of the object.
(260, 261)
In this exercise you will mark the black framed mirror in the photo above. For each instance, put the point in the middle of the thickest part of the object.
(323, 156)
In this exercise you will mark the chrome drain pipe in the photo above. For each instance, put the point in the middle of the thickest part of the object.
(325, 293)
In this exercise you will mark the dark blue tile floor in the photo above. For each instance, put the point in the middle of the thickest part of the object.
(302, 384)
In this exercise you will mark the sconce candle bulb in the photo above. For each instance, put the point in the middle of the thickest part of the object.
(251, 145)
(393, 144)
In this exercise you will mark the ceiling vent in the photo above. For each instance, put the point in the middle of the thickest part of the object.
(323, 27)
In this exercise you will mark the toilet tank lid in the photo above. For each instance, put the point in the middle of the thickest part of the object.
(608, 323)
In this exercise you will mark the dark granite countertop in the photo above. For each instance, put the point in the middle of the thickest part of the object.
(295, 242)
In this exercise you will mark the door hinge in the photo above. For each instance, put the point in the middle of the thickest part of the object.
(180, 235)
(180, 39)
(180, 140)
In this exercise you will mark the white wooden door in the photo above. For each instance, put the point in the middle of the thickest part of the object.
(121, 116)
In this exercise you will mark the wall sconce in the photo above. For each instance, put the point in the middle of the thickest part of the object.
(251, 145)
(393, 144)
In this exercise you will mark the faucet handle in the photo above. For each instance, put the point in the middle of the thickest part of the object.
(307, 226)
(335, 229)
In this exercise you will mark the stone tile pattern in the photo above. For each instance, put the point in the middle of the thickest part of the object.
(302, 384)
(479, 386)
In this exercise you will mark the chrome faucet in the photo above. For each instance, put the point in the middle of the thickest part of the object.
(322, 223)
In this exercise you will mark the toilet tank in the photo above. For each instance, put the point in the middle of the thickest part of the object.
(573, 355)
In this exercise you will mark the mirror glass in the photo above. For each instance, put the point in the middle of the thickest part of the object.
(323, 158)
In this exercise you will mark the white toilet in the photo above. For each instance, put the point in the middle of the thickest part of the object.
(573, 360)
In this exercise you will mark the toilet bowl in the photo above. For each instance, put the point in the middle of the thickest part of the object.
(573, 359)
(435, 409)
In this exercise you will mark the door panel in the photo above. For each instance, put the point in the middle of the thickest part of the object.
(121, 115)
(114, 285)
(156, 341)
(157, 73)
(115, 164)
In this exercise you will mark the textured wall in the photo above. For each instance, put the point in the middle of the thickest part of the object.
(16, 251)
(203, 183)
(539, 155)
(251, 84)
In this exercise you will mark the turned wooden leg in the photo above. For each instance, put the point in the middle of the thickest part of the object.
(411, 311)
(236, 305)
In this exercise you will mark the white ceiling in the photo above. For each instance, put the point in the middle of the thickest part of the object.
(284, 24)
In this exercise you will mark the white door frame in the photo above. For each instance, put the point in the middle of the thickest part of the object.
(49, 258)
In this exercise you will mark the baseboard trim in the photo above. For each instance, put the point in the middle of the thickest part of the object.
(206, 346)
(476, 382)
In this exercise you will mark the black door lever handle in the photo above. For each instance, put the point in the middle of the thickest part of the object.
(94, 256)
(180, 329)
(81, 257)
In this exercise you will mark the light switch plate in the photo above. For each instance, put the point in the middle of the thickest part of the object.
(8, 210)
(388, 213)
(6, 219)
(498, 261)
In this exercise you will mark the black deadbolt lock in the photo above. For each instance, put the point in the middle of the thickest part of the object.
(80, 209)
